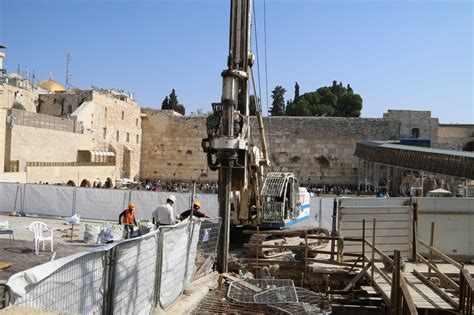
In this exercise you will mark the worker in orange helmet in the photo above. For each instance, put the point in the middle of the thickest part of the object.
(195, 210)
(128, 220)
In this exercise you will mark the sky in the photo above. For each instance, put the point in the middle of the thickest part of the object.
(401, 54)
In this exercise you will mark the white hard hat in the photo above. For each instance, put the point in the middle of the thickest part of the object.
(172, 198)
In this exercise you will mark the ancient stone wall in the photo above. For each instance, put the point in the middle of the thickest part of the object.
(411, 120)
(318, 150)
(10, 94)
(112, 119)
(455, 137)
(171, 147)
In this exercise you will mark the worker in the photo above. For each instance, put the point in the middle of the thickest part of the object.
(128, 220)
(164, 214)
(195, 209)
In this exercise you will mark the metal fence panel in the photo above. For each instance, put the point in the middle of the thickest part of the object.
(206, 250)
(48, 200)
(134, 275)
(76, 288)
(173, 263)
(194, 227)
(101, 203)
(11, 196)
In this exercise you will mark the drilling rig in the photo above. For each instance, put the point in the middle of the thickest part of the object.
(247, 196)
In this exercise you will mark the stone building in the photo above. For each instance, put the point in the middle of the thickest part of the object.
(111, 118)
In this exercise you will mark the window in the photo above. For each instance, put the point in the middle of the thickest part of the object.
(104, 133)
(415, 132)
(136, 122)
(123, 115)
(138, 138)
(118, 136)
(69, 109)
(128, 137)
(105, 114)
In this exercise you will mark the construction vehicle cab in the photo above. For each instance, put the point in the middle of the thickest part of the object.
(283, 201)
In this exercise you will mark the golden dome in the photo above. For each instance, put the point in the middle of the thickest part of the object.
(51, 85)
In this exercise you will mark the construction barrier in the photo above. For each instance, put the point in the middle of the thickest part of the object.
(93, 203)
(129, 277)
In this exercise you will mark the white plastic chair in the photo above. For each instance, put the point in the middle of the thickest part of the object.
(38, 228)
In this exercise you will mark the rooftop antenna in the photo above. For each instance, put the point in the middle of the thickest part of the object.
(68, 74)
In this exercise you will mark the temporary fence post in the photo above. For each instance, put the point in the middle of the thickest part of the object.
(373, 252)
(333, 231)
(109, 290)
(159, 256)
(430, 260)
(414, 231)
(363, 243)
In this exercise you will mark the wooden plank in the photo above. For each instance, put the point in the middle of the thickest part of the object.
(442, 255)
(357, 277)
(242, 283)
(407, 296)
(4, 265)
(436, 289)
(439, 273)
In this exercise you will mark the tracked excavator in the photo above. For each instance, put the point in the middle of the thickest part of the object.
(249, 194)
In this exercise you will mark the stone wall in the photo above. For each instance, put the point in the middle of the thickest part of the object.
(171, 147)
(320, 150)
(10, 94)
(111, 118)
(455, 137)
(73, 174)
(411, 119)
(317, 150)
(29, 144)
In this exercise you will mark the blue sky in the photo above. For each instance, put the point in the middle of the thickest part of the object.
(395, 54)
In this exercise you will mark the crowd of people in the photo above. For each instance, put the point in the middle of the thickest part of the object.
(178, 186)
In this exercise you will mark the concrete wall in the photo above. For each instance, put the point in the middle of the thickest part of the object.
(29, 144)
(455, 137)
(317, 149)
(64, 174)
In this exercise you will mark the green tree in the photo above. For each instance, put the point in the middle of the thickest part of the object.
(166, 104)
(173, 99)
(180, 109)
(335, 100)
(297, 92)
(278, 104)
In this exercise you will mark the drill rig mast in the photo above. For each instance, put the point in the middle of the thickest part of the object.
(227, 145)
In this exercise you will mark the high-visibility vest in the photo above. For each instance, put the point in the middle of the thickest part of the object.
(129, 216)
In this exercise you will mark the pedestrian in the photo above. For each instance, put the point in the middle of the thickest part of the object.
(164, 214)
(195, 210)
(128, 220)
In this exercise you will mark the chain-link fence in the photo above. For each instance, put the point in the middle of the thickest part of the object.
(129, 277)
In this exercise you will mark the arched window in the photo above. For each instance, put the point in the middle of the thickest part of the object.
(415, 132)
(123, 115)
